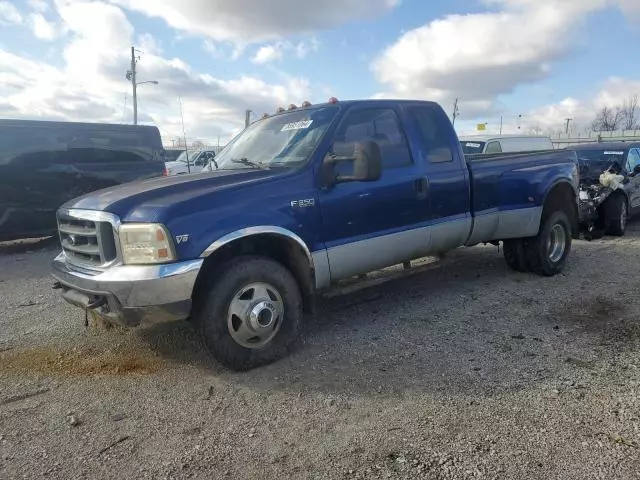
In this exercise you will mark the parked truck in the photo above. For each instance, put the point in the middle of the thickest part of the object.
(301, 200)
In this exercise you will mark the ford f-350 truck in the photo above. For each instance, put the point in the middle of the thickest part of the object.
(301, 200)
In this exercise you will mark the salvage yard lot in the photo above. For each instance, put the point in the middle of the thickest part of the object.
(463, 369)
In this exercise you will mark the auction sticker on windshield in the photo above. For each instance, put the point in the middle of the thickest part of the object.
(301, 125)
(613, 153)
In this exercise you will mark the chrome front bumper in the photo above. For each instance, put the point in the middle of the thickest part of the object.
(130, 294)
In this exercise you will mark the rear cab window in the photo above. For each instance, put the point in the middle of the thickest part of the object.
(434, 134)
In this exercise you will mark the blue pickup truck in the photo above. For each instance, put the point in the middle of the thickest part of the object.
(296, 202)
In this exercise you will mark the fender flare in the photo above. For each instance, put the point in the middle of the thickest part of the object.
(258, 230)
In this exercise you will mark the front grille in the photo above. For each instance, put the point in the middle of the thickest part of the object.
(86, 242)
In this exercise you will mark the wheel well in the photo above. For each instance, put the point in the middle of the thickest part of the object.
(562, 197)
(281, 249)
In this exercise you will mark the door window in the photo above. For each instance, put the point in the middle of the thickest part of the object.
(380, 125)
(633, 160)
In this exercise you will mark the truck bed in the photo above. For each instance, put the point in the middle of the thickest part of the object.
(507, 191)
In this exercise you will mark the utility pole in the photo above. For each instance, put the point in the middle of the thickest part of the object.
(500, 124)
(247, 118)
(455, 112)
(566, 128)
(134, 85)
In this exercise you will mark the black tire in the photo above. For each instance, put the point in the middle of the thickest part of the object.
(213, 317)
(616, 214)
(514, 255)
(538, 251)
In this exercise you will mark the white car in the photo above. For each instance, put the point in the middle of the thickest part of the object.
(197, 160)
(473, 144)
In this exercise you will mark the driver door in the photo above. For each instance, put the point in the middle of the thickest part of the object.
(371, 225)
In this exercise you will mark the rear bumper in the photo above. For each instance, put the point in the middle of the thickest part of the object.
(131, 294)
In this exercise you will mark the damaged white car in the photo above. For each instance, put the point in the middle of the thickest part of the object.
(609, 187)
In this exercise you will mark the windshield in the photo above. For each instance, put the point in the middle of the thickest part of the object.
(469, 148)
(284, 140)
(183, 156)
(594, 162)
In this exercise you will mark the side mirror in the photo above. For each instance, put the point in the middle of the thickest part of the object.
(366, 159)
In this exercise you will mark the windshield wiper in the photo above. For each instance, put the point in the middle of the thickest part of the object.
(247, 162)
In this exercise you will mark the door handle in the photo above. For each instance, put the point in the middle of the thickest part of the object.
(422, 185)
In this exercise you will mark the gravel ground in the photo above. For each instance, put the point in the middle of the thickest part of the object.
(459, 369)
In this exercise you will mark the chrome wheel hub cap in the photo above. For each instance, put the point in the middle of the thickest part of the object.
(255, 315)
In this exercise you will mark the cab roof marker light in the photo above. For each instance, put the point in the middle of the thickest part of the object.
(333, 100)
(305, 104)
(292, 106)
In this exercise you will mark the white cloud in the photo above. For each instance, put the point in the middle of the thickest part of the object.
(267, 54)
(40, 6)
(303, 48)
(9, 14)
(257, 20)
(483, 55)
(276, 51)
(551, 119)
(91, 84)
(44, 29)
(613, 94)
(149, 44)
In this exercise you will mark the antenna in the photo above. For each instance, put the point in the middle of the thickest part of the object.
(124, 107)
(184, 135)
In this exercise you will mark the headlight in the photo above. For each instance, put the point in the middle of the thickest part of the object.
(145, 243)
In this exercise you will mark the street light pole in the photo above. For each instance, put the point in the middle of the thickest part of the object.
(132, 76)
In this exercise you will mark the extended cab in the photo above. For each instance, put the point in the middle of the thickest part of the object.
(300, 200)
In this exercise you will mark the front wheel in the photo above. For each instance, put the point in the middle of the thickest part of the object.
(252, 314)
(616, 214)
(547, 252)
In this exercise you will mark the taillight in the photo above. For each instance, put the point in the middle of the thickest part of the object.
(165, 173)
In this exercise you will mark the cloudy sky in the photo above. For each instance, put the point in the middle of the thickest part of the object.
(546, 60)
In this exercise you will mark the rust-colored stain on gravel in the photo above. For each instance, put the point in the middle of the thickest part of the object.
(77, 362)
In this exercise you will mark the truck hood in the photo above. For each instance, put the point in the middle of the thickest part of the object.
(139, 201)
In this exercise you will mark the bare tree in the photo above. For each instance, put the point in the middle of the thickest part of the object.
(621, 117)
(608, 119)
